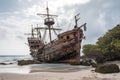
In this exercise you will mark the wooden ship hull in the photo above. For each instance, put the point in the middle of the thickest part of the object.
(65, 49)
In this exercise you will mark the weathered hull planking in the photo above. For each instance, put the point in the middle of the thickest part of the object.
(66, 49)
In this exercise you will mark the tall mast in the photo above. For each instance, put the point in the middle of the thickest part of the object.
(48, 21)
(49, 25)
(76, 20)
(47, 10)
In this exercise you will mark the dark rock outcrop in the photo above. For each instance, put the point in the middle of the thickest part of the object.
(27, 62)
(5, 63)
(88, 62)
(107, 68)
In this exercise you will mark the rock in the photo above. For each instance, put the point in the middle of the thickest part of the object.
(107, 68)
(26, 62)
(10, 63)
(88, 61)
(3, 64)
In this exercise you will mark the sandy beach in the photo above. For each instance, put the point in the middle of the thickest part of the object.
(61, 73)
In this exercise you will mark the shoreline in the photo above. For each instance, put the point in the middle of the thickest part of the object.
(62, 69)
(61, 73)
(80, 75)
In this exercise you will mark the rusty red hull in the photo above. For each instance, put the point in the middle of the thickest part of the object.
(64, 50)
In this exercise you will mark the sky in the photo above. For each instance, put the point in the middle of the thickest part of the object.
(17, 16)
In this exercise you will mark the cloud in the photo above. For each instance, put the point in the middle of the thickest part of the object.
(26, 0)
(16, 17)
(6, 6)
(3, 33)
(20, 37)
(62, 3)
(100, 16)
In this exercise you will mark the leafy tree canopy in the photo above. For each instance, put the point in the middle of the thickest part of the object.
(109, 44)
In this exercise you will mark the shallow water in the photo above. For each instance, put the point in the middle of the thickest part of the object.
(40, 68)
(13, 58)
(8, 64)
(14, 68)
(44, 67)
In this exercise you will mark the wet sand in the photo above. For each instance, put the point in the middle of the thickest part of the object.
(61, 73)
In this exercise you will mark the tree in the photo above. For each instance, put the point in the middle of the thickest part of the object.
(90, 48)
(109, 45)
(93, 51)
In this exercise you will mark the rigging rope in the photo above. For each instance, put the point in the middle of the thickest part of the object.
(54, 31)
(44, 35)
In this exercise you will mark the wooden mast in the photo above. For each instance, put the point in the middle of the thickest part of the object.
(49, 24)
(76, 19)
(49, 21)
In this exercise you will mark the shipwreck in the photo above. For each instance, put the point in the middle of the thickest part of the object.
(64, 49)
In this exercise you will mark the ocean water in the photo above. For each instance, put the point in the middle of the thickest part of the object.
(8, 64)
(11, 59)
